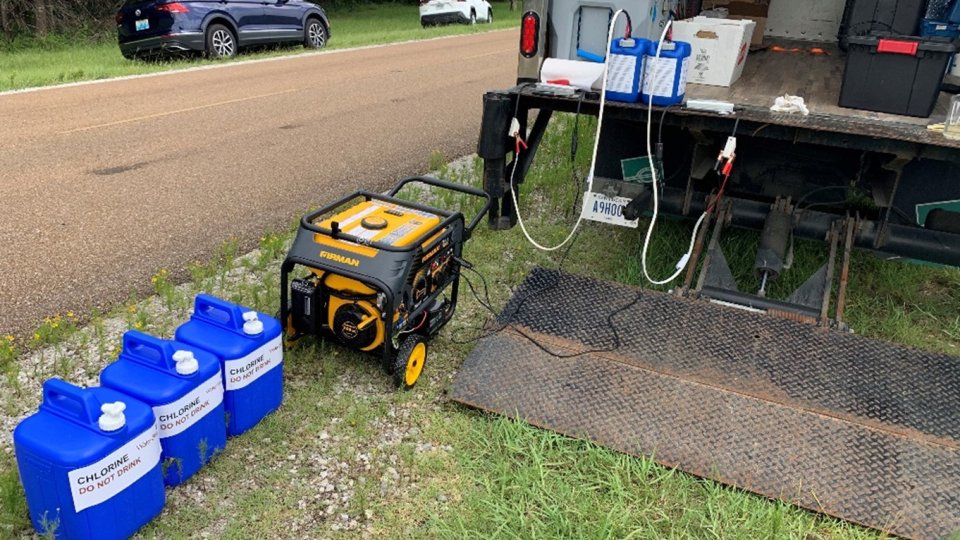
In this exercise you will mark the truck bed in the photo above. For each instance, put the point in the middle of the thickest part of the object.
(816, 78)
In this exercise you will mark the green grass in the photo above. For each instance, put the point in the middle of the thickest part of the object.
(28, 63)
(528, 483)
(414, 465)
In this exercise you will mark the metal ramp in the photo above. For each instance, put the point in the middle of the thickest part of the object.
(853, 427)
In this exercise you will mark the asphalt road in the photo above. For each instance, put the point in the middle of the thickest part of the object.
(102, 185)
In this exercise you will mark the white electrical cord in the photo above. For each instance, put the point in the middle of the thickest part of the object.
(682, 264)
(593, 160)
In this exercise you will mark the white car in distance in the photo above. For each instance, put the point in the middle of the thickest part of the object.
(434, 12)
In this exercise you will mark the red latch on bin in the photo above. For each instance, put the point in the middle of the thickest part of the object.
(893, 46)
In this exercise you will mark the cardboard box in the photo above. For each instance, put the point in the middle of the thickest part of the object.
(748, 10)
(720, 48)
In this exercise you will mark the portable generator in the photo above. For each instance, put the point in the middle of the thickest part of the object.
(380, 277)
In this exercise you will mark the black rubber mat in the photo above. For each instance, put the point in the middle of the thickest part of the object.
(853, 427)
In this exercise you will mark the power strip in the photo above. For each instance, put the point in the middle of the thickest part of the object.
(710, 105)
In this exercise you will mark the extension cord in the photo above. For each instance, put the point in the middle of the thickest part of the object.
(685, 259)
(593, 160)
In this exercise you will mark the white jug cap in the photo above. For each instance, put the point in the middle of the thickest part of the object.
(252, 325)
(186, 363)
(112, 418)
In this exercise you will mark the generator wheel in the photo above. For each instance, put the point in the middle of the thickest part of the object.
(408, 364)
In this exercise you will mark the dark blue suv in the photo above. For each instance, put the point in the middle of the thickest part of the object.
(217, 28)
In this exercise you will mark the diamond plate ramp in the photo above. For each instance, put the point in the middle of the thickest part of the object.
(853, 427)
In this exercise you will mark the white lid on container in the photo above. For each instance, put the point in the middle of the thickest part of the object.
(112, 418)
(186, 363)
(252, 325)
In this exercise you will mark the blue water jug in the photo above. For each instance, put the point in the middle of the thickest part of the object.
(665, 77)
(250, 349)
(89, 460)
(625, 68)
(184, 386)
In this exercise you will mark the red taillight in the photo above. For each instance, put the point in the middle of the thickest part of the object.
(174, 7)
(529, 34)
(119, 18)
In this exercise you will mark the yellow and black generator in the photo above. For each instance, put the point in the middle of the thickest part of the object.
(380, 276)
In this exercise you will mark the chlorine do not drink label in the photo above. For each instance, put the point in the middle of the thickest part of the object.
(176, 417)
(241, 372)
(102, 480)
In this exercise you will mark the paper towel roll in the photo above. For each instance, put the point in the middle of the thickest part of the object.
(582, 75)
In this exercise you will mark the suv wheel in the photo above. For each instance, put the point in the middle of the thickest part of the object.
(314, 34)
(220, 42)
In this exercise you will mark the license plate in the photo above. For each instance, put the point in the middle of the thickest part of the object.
(598, 207)
(142, 24)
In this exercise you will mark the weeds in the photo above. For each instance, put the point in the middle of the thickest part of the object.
(137, 317)
(55, 329)
(171, 462)
(273, 246)
(164, 288)
(13, 505)
(8, 357)
(202, 449)
(437, 161)
(49, 527)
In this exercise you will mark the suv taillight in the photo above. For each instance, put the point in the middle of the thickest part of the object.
(529, 34)
(174, 7)
(119, 18)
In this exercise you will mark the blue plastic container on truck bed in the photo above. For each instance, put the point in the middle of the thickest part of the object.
(931, 28)
(895, 74)
(250, 349)
(184, 386)
(625, 68)
(89, 460)
(665, 77)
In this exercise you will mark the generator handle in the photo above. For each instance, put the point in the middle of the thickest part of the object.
(445, 184)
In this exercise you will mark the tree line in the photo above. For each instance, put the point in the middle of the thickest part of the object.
(41, 17)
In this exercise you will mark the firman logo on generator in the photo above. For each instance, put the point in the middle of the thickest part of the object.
(339, 258)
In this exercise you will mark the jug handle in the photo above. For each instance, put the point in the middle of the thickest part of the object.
(70, 402)
(218, 312)
(148, 349)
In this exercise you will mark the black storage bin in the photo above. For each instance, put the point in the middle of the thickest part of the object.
(895, 74)
(863, 17)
